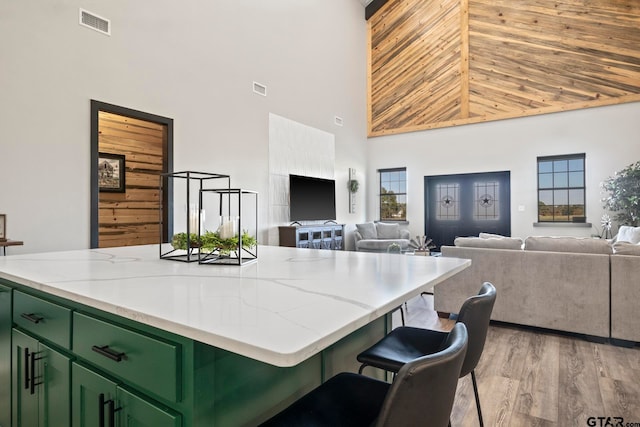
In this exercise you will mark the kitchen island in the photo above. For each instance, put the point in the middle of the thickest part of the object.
(207, 344)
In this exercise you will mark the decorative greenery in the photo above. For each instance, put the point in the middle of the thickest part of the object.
(179, 241)
(211, 241)
(394, 248)
(624, 195)
(353, 185)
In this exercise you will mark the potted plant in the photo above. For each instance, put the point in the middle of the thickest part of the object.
(211, 241)
(624, 195)
(353, 185)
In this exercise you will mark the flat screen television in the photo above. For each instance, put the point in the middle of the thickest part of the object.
(311, 198)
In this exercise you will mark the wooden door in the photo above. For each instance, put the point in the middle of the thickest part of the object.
(131, 216)
(466, 205)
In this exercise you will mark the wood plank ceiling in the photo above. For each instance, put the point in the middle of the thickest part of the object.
(437, 64)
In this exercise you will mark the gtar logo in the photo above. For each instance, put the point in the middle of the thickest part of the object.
(605, 422)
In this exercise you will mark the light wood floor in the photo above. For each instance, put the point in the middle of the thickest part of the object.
(532, 378)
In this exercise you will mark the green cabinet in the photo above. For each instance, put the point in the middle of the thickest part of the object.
(146, 362)
(101, 380)
(5, 356)
(40, 383)
(98, 401)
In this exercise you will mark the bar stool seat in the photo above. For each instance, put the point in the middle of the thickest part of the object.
(421, 394)
(404, 343)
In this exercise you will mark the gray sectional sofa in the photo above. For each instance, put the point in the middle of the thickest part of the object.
(578, 285)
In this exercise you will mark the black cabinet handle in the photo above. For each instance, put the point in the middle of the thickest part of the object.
(112, 413)
(31, 317)
(101, 403)
(111, 408)
(32, 364)
(26, 368)
(107, 352)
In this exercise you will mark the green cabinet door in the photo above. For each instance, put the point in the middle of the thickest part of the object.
(91, 394)
(97, 398)
(137, 412)
(40, 382)
(25, 401)
(54, 401)
(5, 356)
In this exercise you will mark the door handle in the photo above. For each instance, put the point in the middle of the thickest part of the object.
(101, 403)
(32, 365)
(111, 409)
(112, 413)
(31, 317)
(108, 353)
(26, 368)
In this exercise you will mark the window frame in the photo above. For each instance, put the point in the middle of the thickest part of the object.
(381, 172)
(554, 174)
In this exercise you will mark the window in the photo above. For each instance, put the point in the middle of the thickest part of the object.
(393, 194)
(561, 190)
(487, 201)
(448, 201)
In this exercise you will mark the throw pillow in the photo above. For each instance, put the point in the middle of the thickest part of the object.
(388, 231)
(367, 230)
(628, 234)
(489, 236)
(626, 248)
(489, 243)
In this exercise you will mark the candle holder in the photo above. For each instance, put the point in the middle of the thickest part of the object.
(234, 241)
(188, 216)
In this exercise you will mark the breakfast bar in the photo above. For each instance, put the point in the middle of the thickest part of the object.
(192, 344)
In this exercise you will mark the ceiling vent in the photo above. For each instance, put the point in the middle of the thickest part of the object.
(259, 88)
(95, 22)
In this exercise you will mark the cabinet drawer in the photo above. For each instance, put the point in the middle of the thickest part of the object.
(141, 360)
(43, 318)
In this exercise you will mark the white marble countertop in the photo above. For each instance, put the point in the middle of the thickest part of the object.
(282, 309)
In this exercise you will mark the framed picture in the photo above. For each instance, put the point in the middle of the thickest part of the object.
(111, 172)
(3, 227)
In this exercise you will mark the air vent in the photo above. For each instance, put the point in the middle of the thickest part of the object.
(259, 88)
(95, 22)
(338, 121)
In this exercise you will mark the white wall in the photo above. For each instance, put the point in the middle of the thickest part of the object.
(193, 61)
(608, 135)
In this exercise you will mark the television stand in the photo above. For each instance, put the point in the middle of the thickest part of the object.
(318, 236)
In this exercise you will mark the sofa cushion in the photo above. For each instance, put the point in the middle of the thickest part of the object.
(367, 230)
(628, 234)
(490, 243)
(584, 245)
(380, 245)
(388, 231)
(626, 248)
(490, 236)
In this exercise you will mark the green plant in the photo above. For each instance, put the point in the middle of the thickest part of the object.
(211, 241)
(179, 241)
(624, 195)
(353, 185)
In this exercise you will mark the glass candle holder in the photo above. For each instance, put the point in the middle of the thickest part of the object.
(228, 225)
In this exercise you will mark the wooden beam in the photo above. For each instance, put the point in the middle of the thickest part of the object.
(373, 7)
